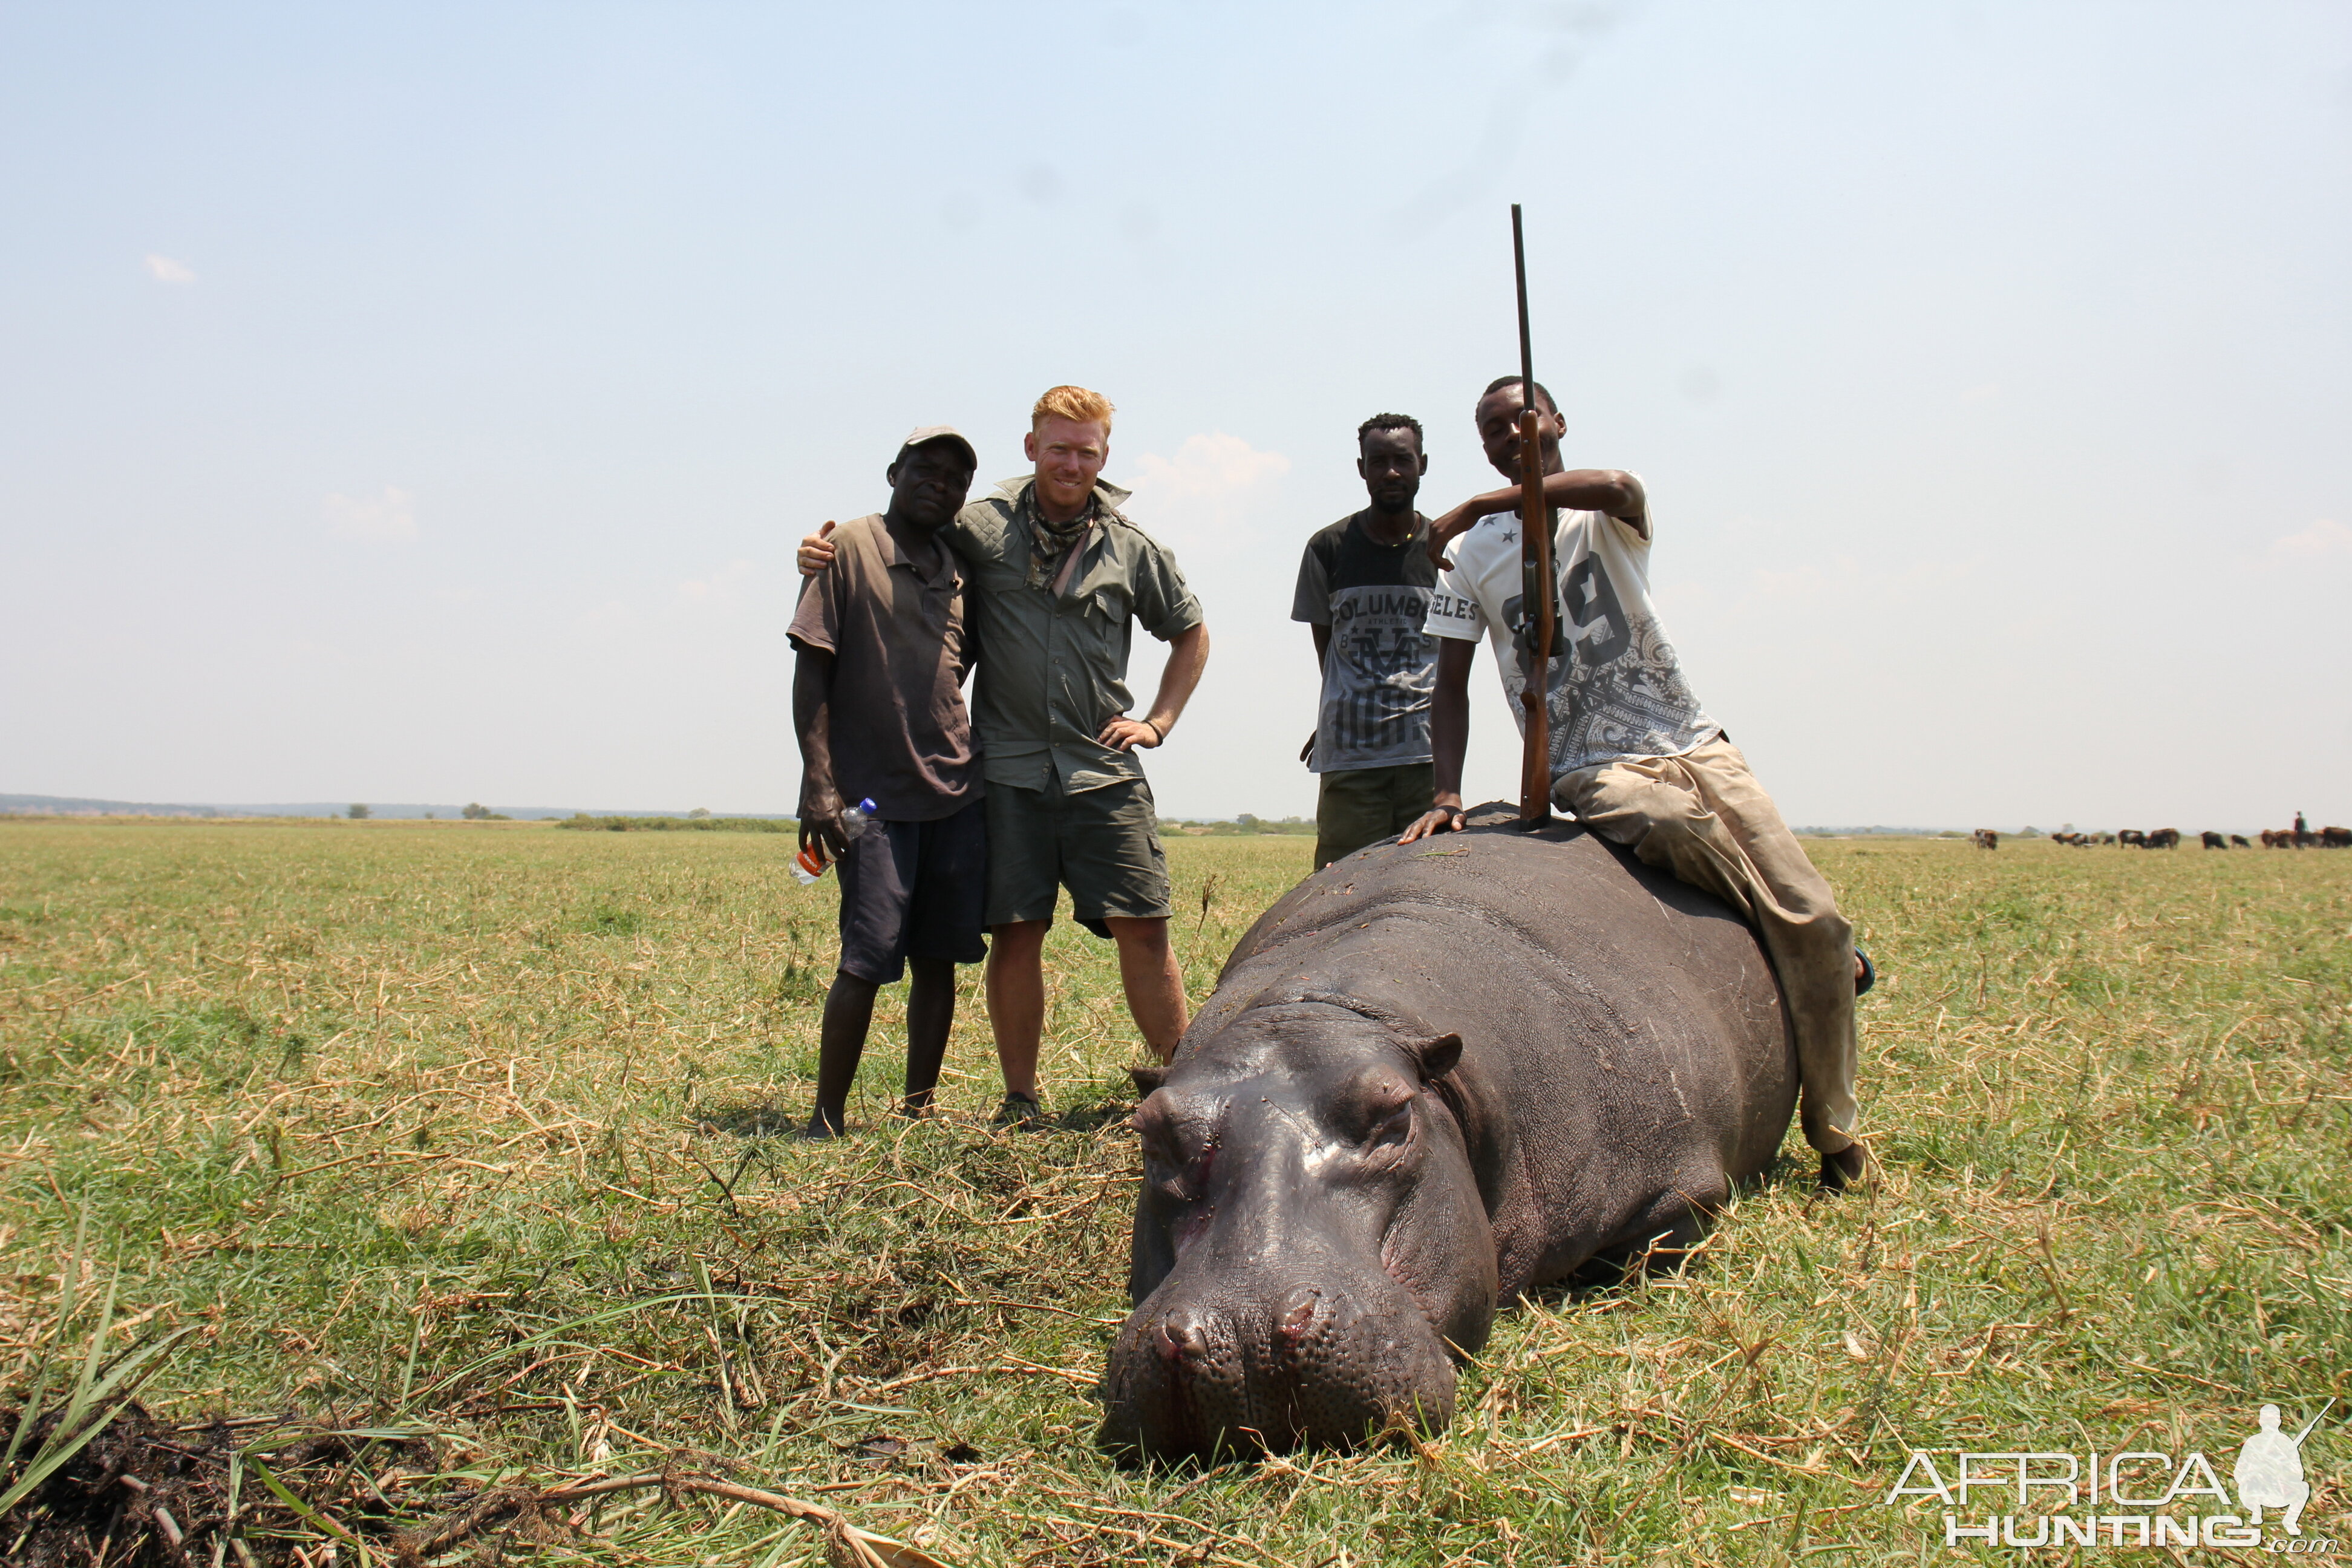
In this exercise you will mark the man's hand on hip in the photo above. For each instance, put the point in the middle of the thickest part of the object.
(816, 551)
(1124, 734)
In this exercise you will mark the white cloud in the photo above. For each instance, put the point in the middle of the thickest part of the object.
(2321, 540)
(723, 589)
(1215, 467)
(163, 270)
(387, 518)
(1200, 501)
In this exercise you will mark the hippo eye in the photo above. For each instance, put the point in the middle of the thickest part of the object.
(1393, 1129)
(1173, 1173)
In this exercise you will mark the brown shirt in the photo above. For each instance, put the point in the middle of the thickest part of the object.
(890, 611)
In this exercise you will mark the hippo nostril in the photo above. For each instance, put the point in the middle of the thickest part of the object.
(1182, 1337)
(1298, 1319)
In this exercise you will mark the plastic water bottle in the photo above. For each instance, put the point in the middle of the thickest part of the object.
(812, 861)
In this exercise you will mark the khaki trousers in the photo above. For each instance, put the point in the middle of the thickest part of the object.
(1702, 817)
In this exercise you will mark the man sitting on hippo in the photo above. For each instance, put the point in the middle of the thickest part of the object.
(1634, 756)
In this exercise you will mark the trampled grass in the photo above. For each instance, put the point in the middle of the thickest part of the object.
(476, 1129)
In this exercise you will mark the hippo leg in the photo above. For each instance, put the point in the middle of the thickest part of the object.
(1661, 1238)
(1657, 1239)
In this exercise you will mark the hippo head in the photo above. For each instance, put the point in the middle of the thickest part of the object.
(1311, 1250)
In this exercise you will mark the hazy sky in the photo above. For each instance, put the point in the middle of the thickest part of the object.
(420, 403)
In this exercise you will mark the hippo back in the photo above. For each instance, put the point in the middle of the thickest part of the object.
(1625, 1026)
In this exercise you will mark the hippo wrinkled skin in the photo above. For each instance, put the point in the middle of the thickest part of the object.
(1431, 1078)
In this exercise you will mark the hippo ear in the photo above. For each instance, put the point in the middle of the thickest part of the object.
(1146, 1079)
(1438, 1057)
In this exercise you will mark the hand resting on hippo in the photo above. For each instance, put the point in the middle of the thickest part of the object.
(1431, 1078)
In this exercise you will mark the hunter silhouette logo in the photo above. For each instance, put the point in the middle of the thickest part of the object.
(2270, 1470)
(2052, 1496)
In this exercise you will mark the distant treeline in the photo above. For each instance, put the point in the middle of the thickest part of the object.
(700, 822)
(1240, 825)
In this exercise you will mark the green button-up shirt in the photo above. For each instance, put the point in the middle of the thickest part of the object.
(1052, 666)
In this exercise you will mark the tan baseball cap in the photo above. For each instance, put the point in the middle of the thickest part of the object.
(924, 435)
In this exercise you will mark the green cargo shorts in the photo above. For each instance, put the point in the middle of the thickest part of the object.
(1364, 805)
(1101, 843)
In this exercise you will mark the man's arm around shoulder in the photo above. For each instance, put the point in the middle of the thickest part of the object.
(977, 533)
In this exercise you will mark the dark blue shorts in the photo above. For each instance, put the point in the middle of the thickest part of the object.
(914, 890)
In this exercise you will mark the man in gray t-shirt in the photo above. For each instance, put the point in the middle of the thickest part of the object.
(1365, 585)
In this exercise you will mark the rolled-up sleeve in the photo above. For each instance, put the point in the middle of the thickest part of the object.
(1164, 604)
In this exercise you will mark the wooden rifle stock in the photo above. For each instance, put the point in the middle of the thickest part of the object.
(1538, 596)
(1539, 610)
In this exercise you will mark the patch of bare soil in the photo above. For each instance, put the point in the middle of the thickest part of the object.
(145, 1494)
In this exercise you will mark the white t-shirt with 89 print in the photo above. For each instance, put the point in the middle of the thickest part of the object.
(1615, 689)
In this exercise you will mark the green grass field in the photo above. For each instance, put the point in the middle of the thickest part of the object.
(475, 1129)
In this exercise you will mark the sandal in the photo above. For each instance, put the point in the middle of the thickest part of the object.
(1020, 1111)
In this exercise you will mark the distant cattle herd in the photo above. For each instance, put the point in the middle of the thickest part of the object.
(2299, 836)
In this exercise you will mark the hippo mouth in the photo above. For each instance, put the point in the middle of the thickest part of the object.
(1195, 1381)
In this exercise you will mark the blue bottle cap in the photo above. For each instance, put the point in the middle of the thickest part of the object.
(867, 805)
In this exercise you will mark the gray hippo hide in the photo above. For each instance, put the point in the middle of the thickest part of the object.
(1431, 1078)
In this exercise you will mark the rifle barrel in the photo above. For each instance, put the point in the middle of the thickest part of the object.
(1527, 348)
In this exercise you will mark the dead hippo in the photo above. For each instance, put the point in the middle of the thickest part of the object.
(1431, 1078)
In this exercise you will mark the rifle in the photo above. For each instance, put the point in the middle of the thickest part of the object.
(1538, 593)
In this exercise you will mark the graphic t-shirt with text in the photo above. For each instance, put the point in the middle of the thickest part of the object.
(1613, 685)
(1381, 669)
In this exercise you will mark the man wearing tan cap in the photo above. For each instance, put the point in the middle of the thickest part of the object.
(878, 705)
